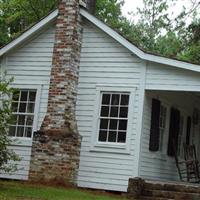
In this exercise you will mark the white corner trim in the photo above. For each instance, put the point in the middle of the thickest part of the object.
(141, 54)
(29, 32)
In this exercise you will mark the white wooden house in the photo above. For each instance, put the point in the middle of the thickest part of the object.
(117, 84)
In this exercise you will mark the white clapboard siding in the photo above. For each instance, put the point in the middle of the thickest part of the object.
(168, 78)
(104, 61)
(156, 165)
(30, 65)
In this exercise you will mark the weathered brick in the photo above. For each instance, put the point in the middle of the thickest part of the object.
(56, 147)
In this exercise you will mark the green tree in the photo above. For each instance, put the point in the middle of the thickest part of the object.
(17, 15)
(191, 52)
(160, 33)
(109, 11)
(6, 154)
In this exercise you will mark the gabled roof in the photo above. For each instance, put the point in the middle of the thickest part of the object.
(112, 33)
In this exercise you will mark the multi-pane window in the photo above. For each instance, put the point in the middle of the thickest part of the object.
(180, 137)
(113, 117)
(23, 105)
(162, 126)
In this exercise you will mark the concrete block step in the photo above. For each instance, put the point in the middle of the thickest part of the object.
(171, 194)
(153, 198)
(173, 187)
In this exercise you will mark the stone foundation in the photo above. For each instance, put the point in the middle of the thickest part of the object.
(140, 189)
(55, 157)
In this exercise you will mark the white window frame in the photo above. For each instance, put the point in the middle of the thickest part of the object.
(162, 154)
(162, 143)
(27, 141)
(111, 146)
(184, 115)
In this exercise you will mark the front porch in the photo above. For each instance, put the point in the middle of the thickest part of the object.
(157, 160)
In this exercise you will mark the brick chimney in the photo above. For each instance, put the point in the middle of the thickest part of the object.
(56, 147)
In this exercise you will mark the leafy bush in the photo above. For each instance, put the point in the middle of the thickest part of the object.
(6, 154)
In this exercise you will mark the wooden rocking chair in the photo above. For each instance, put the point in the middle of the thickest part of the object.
(188, 169)
(192, 164)
(181, 166)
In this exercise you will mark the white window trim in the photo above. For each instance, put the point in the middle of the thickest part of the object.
(166, 132)
(162, 155)
(109, 146)
(25, 141)
(184, 115)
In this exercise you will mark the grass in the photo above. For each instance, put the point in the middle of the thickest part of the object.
(10, 190)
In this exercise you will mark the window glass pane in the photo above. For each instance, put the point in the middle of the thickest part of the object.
(23, 102)
(123, 112)
(112, 136)
(28, 132)
(32, 96)
(24, 95)
(20, 131)
(105, 111)
(124, 99)
(14, 106)
(102, 136)
(29, 120)
(113, 124)
(22, 107)
(16, 96)
(30, 108)
(12, 131)
(121, 137)
(114, 111)
(21, 120)
(106, 99)
(104, 124)
(115, 99)
(14, 119)
(163, 113)
(122, 124)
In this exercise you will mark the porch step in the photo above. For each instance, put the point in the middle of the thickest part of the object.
(170, 195)
(162, 191)
(173, 187)
(153, 198)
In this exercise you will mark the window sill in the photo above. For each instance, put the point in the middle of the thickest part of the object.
(110, 148)
(20, 141)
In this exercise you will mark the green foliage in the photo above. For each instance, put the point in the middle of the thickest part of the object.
(192, 53)
(6, 154)
(17, 15)
(109, 11)
(168, 45)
